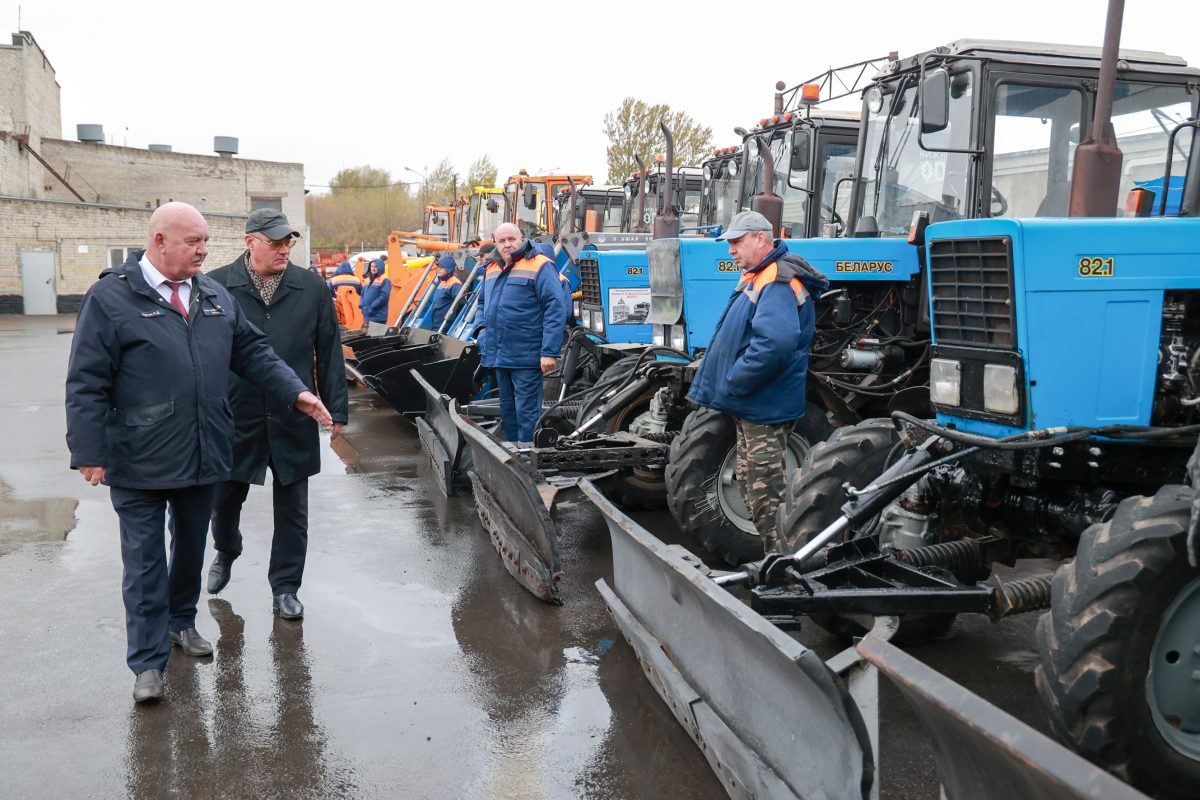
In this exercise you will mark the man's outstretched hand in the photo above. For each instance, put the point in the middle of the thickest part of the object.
(310, 404)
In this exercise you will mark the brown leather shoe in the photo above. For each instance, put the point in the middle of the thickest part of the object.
(191, 642)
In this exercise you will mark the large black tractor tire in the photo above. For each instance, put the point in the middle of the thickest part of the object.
(1120, 647)
(634, 487)
(814, 498)
(702, 492)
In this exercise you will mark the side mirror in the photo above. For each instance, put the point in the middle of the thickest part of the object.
(935, 101)
(493, 206)
(801, 145)
(529, 197)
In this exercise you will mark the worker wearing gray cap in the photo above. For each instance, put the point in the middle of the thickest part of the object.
(293, 307)
(756, 367)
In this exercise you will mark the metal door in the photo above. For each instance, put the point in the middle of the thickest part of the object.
(37, 282)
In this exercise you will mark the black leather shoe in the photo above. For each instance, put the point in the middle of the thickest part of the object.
(220, 572)
(148, 686)
(192, 642)
(289, 606)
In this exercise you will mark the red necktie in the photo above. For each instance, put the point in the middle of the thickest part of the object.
(175, 301)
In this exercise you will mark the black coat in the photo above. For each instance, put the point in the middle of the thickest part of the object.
(147, 390)
(302, 328)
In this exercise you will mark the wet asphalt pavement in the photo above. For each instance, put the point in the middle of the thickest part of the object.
(421, 668)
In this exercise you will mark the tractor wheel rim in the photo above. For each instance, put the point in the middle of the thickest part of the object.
(1173, 679)
(729, 489)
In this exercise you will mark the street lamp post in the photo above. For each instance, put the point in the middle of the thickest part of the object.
(424, 183)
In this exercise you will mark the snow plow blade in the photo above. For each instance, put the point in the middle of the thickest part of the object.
(982, 751)
(442, 441)
(771, 717)
(446, 363)
(774, 720)
(512, 510)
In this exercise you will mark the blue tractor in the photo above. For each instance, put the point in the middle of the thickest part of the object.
(872, 348)
(1065, 392)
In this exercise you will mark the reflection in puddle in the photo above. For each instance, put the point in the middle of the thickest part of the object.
(216, 736)
(26, 521)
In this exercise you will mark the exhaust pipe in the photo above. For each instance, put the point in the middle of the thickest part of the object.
(1096, 185)
(666, 221)
(767, 202)
(640, 227)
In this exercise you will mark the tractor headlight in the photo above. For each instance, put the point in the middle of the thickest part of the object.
(577, 307)
(945, 382)
(598, 322)
(1000, 389)
(659, 335)
(679, 337)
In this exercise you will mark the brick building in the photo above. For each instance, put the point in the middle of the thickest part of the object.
(68, 209)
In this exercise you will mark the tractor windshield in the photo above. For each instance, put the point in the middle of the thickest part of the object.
(720, 190)
(898, 176)
(485, 220)
(793, 189)
(1037, 128)
(689, 213)
(613, 209)
(532, 221)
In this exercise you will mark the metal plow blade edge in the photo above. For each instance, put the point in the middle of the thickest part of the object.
(442, 441)
(982, 751)
(773, 720)
(513, 512)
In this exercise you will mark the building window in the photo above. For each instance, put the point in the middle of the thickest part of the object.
(118, 255)
(274, 203)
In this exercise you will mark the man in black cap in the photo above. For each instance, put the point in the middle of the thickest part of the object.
(292, 306)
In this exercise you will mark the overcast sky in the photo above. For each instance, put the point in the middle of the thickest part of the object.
(343, 83)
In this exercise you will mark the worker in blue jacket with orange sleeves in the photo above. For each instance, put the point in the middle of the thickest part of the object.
(520, 322)
(377, 290)
(756, 367)
(447, 289)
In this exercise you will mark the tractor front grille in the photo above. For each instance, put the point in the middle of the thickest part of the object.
(971, 287)
(589, 282)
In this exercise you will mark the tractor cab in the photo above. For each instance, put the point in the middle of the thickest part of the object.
(638, 217)
(812, 154)
(529, 199)
(480, 213)
(438, 223)
(597, 210)
(982, 129)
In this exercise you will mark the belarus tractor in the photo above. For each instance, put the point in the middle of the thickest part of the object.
(1065, 395)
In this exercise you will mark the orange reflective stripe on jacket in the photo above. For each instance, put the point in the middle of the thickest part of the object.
(753, 284)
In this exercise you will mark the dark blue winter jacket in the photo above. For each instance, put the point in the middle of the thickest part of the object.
(147, 390)
(522, 311)
(375, 296)
(443, 297)
(757, 364)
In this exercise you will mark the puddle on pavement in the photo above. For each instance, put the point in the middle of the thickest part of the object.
(208, 735)
(25, 522)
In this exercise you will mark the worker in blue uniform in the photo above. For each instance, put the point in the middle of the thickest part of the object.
(520, 321)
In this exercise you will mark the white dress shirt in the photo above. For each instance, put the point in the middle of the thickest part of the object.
(157, 281)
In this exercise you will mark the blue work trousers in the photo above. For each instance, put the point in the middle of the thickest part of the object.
(520, 401)
(160, 595)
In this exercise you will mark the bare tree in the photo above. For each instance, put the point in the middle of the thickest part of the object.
(633, 129)
(363, 206)
(482, 173)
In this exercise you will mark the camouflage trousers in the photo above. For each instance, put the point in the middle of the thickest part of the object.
(760, 471)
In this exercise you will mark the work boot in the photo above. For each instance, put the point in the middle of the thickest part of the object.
(192, 643)
(148, 686)
(288, 606)
(220, 572)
